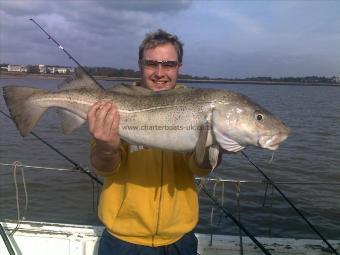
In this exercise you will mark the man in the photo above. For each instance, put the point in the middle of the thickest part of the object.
(149, 203)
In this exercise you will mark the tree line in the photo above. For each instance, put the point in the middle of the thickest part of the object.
(130, 73)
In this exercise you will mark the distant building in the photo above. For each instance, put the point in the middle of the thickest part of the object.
(70, 69)
(337, 79)
(42, 69)
(61, 70)
(17, 68)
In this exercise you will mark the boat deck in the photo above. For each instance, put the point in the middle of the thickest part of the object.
(41, 238)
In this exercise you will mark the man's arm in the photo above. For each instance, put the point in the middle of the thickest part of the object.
(103, 121)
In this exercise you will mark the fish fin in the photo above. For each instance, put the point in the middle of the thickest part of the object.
(223, 139)
(214, 152)
(227, 143)
(200, 148)
(70, 121)
(24, 112)
(130, 90)
(79, 80)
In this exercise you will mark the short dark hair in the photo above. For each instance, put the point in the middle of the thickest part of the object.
(160, 37)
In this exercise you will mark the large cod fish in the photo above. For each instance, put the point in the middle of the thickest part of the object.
(179, 120)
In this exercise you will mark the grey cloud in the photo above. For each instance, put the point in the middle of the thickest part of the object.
(22, 8)
(104, 29)
(34, 7)
(98, 17)
(107, 33)
(148, 5)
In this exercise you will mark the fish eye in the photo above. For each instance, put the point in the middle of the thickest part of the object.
(259, 116)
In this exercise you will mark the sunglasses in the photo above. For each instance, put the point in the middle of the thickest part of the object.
(153, 64)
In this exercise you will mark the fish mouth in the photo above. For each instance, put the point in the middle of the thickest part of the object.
(272, 142)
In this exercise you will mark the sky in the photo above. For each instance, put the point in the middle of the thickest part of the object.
(222, 39)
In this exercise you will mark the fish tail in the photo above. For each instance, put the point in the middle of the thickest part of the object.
(24, 112)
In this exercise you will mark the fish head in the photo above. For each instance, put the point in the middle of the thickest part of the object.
(241, 122)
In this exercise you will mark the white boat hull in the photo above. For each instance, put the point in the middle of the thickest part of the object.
(41, 238)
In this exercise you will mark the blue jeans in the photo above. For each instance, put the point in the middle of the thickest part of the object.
(110, 245)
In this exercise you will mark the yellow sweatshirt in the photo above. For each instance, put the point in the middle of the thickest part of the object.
(151, 198)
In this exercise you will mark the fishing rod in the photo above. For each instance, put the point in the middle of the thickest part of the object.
(6, 240)
(76, 165)
(66, 52)
(291, 204)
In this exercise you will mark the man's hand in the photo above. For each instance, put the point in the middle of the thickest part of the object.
(103, 119)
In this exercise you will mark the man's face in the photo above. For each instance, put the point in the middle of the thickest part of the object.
(157, 76)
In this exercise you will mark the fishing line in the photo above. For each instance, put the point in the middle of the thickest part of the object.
(291, 204)
(76, 165)
(66, 52)
(272, 158)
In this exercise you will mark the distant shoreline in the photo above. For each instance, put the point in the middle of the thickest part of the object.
(6, 75)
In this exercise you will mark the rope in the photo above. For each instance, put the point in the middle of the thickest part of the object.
(238, 193)
(17, 164)
(212, 208)
(212, 215)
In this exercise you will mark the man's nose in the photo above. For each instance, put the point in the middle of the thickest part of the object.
(159, 70)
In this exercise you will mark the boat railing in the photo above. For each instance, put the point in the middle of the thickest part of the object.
(215, 183)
